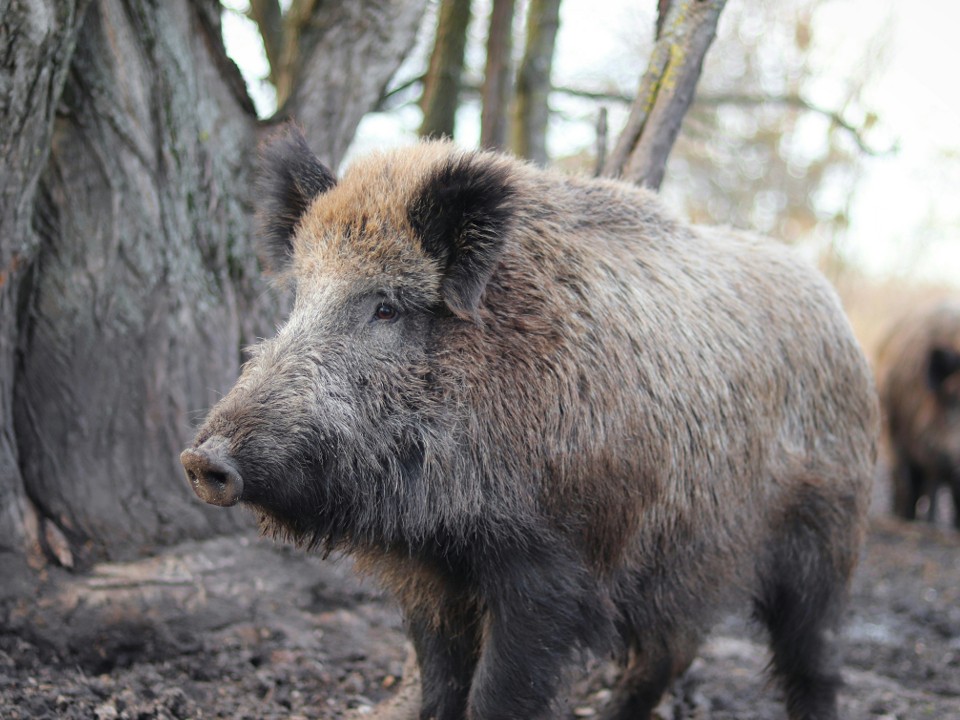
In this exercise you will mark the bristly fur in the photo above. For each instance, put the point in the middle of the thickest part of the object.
(290, 178)
(551, 419)
(461, 214)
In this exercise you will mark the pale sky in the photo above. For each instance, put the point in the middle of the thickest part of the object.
(907, 212)
(905, 218)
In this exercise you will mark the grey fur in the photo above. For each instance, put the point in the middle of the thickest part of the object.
(640, 424)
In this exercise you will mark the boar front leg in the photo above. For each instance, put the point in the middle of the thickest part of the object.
(447, 641)
(539, 611)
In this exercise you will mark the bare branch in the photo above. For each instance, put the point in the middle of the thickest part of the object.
(384, 103)
(794, 101)
(798, 102)
(666, 92)
(285, 72)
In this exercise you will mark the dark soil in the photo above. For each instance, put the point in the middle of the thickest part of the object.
(241, 628)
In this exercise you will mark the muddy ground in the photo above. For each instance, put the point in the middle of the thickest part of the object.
(241, 628)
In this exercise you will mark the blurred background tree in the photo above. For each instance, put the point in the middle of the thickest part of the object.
(825, 123)
(756, 151)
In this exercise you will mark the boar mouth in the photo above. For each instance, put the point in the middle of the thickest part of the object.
(212, 475)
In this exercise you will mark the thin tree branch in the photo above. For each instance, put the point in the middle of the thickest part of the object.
(384, 105)
(794, 101)
(799, 103)
(598, 95)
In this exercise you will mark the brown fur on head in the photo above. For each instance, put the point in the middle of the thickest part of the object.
(550, 417)
(453, 221)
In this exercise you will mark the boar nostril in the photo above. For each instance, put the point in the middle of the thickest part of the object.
(212, 474)
(217, 477)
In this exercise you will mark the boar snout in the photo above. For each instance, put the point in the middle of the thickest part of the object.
(212, 475)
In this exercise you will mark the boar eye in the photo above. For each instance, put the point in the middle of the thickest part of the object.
(385, 312)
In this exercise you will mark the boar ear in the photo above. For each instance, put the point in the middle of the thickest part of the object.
(944, 362)
(290, 178)
(461, 215)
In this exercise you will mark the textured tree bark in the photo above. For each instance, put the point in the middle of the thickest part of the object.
(37, 42)
(145, 283)
(348, 51)
(531, 112)
(441, 85)
(684, 35)
(128, 278)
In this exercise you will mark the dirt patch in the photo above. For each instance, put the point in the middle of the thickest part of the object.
(241, 628)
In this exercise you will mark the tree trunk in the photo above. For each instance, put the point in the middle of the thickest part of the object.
(38, 41)
(269, 19)
(145, 284)
(531, 111)
(441, 86)
(684, 34)
(497, 86)
(128, 280)
(348, 51)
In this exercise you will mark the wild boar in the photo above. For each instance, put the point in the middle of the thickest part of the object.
(919, 371)
(551, 419)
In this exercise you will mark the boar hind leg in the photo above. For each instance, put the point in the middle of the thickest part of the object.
(803, 591)
(955, 492)
(644, 681)
(803, 653)
(907, 488)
